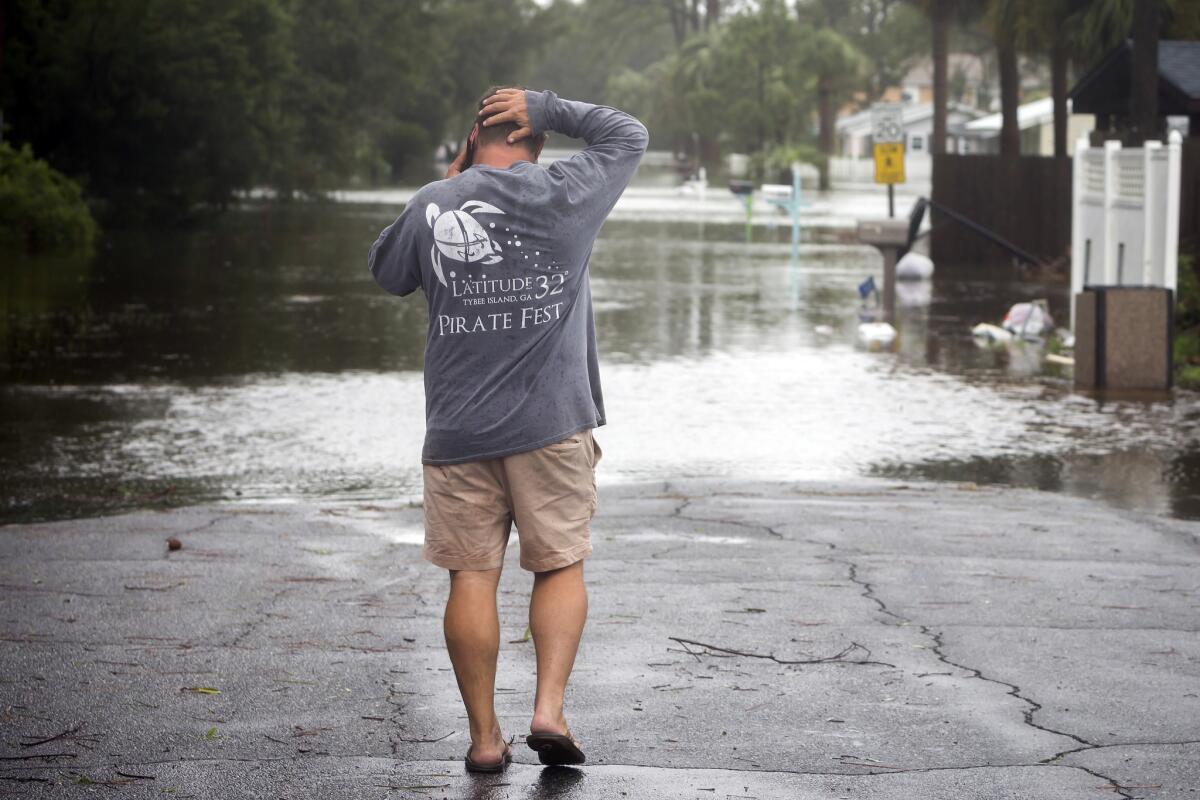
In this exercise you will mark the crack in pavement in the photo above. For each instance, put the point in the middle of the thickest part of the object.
(736, 523)
(1013, 689)
(1111, 783)
(938, 645)
(868, 591)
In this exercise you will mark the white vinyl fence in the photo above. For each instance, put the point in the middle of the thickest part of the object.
(1125, 219)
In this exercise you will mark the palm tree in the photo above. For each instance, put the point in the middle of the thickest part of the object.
(1003, 18)
(1143, 97)
(1083, 31)
(1059, 62)
(943, 13)
(838, 66)
(1043, 26)
(939, 13)
(691, 71)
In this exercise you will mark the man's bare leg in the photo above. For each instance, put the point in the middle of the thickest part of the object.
(472, 628)
(557, 612)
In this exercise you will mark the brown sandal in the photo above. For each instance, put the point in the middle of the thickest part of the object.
(555, 749)
(497, 766)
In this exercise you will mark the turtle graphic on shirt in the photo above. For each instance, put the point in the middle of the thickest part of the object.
(458, 235)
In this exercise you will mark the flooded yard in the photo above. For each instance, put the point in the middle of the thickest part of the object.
(255, 358)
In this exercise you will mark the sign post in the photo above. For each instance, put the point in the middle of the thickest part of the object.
(887, 136)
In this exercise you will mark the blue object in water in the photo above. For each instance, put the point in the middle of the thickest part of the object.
(791, 205)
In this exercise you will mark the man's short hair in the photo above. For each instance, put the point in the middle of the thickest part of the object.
(498, 134)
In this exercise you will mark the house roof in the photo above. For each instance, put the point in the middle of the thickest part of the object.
(1029, 115)
(1105, 89)
(1179, 63)
(909, 115)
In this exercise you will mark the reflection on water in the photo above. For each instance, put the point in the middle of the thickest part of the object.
(552, 782)
(257, 359)
(555, 782)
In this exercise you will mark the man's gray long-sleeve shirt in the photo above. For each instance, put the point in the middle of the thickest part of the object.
(502, 256)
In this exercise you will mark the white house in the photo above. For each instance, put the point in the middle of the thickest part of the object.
(1036, 121)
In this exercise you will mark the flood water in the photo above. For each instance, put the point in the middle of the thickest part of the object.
(255, 358)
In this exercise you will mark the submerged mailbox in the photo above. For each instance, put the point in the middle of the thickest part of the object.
(891, 238)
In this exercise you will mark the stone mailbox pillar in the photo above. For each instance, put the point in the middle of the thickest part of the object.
(1123, 337)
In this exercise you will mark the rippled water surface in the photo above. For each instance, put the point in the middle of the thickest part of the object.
(255, 358)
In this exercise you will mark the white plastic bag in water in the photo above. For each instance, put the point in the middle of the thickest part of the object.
(1030, 320)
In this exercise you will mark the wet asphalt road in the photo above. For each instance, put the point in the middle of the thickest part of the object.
(802, 640)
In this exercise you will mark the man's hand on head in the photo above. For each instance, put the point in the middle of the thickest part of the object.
(508, 105)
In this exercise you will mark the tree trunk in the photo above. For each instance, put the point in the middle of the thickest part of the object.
(1058, 88)
(940, 14)
(1143, 102)
(710, 153)
(827, 115)
(1010, 95)
(678, 16)
(761, 96)
(712, 13)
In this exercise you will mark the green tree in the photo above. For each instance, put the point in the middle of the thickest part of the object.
(748, 83)
(400, 107)
(155, 105)
(890, 34)
(837, 65)
(40, 209)
(693, 76)
(690, 17)
(585, 45)
(756, 72)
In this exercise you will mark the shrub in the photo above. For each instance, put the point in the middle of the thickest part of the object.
(40, 208)
(1187, 325)
(775, 165)
(1187, 294)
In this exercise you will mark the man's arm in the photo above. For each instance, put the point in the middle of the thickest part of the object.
(615, 142)
(393, 258)
(595, 177)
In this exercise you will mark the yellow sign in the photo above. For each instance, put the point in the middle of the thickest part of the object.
(889, 162)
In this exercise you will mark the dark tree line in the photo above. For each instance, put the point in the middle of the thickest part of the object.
(161, 107)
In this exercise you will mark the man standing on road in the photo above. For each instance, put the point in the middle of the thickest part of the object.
(512, 390)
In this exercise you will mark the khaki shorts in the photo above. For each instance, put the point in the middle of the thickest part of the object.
(549, 492)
